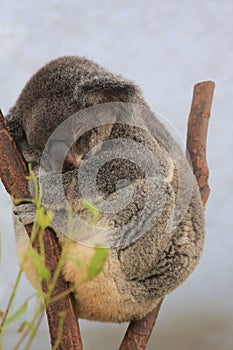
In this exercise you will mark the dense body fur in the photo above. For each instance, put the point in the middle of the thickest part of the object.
(136, 275)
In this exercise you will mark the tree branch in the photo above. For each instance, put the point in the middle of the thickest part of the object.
(197, 134)
(13, 172)
(138, 333)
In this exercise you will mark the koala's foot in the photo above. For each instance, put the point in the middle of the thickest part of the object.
(25, 213)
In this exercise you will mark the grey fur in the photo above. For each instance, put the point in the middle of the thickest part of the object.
(153, 264)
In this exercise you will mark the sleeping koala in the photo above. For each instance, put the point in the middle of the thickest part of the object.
(127, 164)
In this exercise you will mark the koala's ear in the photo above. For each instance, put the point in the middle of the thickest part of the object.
(109, 88)
(14, 124)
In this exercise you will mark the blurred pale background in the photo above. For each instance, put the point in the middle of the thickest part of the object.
(166, 47)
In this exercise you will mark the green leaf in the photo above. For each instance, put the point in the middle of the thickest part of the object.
(95, 211)
(42, 271)
(97, 262)
(23, 325)
(18, 313)
(44, 217)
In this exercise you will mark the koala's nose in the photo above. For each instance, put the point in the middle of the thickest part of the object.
(62, 157)
(71, 162)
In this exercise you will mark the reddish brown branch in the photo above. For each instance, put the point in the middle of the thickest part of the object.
(13, 172)
(138, 333)
(197, 134)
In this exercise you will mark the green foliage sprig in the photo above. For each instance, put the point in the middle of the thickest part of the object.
(42, 220)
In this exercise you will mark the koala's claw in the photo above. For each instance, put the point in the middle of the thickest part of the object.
(25, 213)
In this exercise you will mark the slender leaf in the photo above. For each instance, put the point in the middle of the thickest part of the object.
(97, 262)
(18, 313)
(42, 271)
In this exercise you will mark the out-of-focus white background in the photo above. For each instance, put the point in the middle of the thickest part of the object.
(166, 47)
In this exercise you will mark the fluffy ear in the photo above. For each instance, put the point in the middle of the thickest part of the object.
(14, 125)
(109, 88)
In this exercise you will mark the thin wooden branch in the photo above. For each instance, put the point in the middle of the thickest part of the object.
(197, 134)
(138, 333)
(13, 172)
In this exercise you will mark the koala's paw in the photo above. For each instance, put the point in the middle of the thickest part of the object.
(25, 213)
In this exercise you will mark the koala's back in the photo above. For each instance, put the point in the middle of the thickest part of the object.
(74, 77)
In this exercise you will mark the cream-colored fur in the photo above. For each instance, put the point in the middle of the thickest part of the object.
(98, 298)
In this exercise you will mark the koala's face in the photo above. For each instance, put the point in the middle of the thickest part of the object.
(82, 148)
(71, 157)
(58, 151)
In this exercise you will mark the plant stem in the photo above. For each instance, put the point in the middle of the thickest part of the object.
(10, 303)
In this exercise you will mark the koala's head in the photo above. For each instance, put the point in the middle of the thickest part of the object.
(58, 90)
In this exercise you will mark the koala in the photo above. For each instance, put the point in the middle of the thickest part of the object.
(153, 247)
